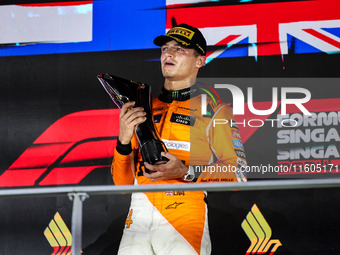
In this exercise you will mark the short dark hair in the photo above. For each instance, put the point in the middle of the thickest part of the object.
(196, 53)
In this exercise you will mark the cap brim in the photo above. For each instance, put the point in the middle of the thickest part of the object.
(162, 39)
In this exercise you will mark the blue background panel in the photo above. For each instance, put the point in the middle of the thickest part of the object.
(117, 25)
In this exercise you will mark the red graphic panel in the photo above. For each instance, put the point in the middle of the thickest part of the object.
(19, 178)
(67, 151)
(67, 175)
(90, 150)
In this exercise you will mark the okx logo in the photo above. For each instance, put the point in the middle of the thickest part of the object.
(259, 233)
(59, 236)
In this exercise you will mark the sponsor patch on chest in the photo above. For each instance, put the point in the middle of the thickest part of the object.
(157, 118)
(183, 119)
(177, 145)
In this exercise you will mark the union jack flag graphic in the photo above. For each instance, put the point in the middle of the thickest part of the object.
(258, 29)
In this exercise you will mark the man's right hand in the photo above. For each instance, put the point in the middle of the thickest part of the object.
(129, 119)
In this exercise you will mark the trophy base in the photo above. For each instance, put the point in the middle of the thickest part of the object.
(151, 153)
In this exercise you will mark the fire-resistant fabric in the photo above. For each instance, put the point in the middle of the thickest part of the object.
(197, 140)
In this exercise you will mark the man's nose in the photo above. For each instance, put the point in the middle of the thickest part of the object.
(171, 52)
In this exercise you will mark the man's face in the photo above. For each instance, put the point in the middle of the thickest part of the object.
(178, 62)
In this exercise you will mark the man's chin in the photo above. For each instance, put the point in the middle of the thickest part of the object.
(167, 75)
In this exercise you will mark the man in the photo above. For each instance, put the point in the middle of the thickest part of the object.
(176, 222)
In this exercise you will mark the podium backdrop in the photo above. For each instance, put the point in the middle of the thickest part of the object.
(58, 126)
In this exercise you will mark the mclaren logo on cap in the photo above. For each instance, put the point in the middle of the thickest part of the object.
(181, 31)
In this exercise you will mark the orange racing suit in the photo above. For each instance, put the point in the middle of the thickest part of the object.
(196, 140)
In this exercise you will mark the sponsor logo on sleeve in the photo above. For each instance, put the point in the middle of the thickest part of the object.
(240, 153)
(235, 134)
(238, 144)
(241, 162)
(240, 174)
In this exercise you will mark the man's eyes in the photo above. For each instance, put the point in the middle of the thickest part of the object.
(179, 49)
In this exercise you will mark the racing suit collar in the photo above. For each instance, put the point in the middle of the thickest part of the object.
(168, 96)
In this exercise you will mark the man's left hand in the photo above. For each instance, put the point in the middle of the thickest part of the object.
(173, 169)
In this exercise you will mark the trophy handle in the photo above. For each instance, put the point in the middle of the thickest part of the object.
(122, 91)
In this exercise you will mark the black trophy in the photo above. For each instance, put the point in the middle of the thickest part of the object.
(122, 91)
